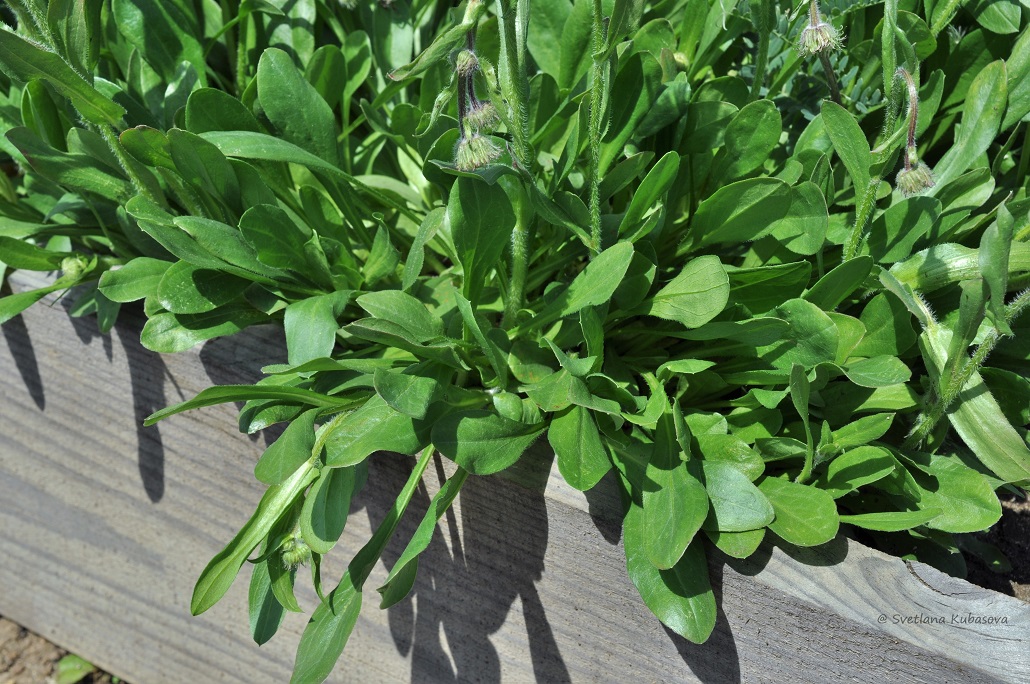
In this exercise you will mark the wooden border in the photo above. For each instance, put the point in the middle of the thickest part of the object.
(104, 526)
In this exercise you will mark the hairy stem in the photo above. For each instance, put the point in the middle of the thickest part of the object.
(138, 182)
(864, 211)
(831, 79)
(929, 418)
(596, 119)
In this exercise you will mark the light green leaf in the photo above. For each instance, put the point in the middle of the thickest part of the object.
(483, 442)
(805, 516)
(695, 296)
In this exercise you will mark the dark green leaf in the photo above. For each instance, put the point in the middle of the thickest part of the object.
(483, 442)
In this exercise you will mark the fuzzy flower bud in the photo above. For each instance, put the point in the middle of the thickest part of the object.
(481, 117)
(475, 150)
(466, 63)
(912, 180)
(295, 552)
(819, 35)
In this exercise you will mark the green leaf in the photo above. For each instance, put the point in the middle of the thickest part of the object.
(149, 146)
(79, 172)
(494, 354)
(25, 61)
(275, 237)
(888, 328)
(21, 254)
(402, 577)
(135, 280)
(995, 248)
(811, 339)
(324, 514)
(736, 504)
(651, 191)
(594, 286)
(168, 333)
(438, 51)
(837, 285)
(210, 109)
(404, 310)
(409, 392)
(266, 613)
(75, 27)
(311, 326)
(737, 544)
(483, 442)
(856, 468)
(186, 289)
(740, 211)
(878, 371)
(293, 448)
(894, 232)
(977, 418)
(763, 287)
(390, 334)
(294, 107)
(850, 143)
(891, 521)
(750, 138)
(481, 220)
(802, 229)
(582, 456)
(376, 426)
(681, 597)
(220, 573)
(12, 305)
(674, 501)
(695, 296)
(223, 394)
(327, 633)
(163, 34)
(805, 516)
(982, 117)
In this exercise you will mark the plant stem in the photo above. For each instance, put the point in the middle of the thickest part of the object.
(927, 420)
(596, 118)
(513, 75)
(864, 210)
(765, 15)
(519, 269)
(831, 80)
(127, 164)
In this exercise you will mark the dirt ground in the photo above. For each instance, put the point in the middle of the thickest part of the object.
(27, 658)
(1012, 537)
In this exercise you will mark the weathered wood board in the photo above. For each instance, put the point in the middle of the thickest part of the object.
(104, 526)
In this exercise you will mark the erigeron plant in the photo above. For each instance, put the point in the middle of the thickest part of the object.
(617, 230)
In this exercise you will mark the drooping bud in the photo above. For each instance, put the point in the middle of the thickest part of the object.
(916, 176)
(475, 150)
(481, 117)
(913, 179)
(466, 63)
(819, 35)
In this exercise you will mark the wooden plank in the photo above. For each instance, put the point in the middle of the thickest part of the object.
(105, 525)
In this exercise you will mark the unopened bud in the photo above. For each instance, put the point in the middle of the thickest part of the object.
(482, 117)
(466, 63)
(913, 180)
(295, 552)
(474, 151)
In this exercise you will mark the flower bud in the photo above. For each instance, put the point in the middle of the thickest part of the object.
(819, 37)
(295, 552)
(466, 63)
(912, 180)
(475, 150)
(73, 266)
(482, 117)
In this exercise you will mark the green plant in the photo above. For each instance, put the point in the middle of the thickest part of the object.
(612, 225)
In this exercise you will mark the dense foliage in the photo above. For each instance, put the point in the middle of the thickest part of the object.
(764, 262)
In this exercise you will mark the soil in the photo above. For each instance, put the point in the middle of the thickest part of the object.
(1012, 537)
(27, 658)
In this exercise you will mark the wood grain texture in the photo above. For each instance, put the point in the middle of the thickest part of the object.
(105, 525)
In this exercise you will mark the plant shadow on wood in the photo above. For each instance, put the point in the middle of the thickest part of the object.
(467, 584)
(20, 345)
(716, 661)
